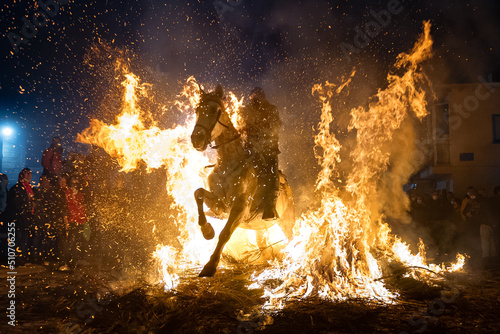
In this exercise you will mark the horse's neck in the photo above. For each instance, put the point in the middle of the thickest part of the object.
(230, 145)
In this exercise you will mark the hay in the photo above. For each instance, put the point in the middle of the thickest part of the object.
(197, 305)
(225, 304)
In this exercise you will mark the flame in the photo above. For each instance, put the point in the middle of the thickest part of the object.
(341, 249)
(166, 256)
(233, 107)
(190, 96)
(130, 142)
(135, 138)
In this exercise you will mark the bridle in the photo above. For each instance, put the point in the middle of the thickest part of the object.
(209, 98)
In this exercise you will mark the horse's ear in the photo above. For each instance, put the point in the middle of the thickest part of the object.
(219, 92)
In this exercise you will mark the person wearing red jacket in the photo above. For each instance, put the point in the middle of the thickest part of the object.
(52, 160)
(74, 226)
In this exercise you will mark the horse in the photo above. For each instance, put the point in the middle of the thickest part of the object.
(236, 183)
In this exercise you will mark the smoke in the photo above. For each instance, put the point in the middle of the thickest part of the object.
(466, 40)
(403, 151)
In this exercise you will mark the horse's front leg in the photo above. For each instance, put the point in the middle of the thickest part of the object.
(215, 204)
(238, 211)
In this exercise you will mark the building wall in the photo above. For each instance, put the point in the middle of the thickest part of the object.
(471, 131)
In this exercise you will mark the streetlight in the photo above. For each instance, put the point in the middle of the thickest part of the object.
(6, 132)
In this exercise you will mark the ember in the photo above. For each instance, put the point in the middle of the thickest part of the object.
(250, 166)
(340, 250)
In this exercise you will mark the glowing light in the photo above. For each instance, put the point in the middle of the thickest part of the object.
(7, 131)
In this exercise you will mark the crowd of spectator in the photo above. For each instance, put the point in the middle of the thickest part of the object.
(469, 225)
(58, 223)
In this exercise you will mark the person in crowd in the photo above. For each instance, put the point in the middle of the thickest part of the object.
(413, 200)
(487, 234)
(465, 201)
(52, 160)
(451, 197)
(495, 214)
(488, 227)
(261, 133)
(20, 209)
(482, 194)
(441, 228)
(436, 208)
(75, 165)
(4, 184)
(43, 205)
(48, 208)
(419, 213)
(118, 239)
(456, 219)
(61, 221)
(475, 215)
(74, 240)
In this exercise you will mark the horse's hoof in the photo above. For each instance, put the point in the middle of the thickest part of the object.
(208, 271)
(208, 231)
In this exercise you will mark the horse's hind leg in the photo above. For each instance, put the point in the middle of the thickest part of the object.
(203, 196)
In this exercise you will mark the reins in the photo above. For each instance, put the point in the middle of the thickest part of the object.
(231, 140)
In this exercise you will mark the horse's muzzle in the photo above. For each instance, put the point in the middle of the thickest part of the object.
(199, 139)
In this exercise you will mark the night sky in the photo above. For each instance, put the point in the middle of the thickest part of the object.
(285, 46)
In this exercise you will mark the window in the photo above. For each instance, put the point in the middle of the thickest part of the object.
(466, 156)
(496, 128)
(442, 121)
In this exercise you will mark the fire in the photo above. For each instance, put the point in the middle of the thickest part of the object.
(233, 106)
(341, 249)
(134, 137)
(166, 256)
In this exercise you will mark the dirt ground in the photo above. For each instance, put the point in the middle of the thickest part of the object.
(97, 299)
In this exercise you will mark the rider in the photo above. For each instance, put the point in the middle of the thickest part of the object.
(261, 132)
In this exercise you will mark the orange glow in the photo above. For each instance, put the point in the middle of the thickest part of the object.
(129, 141)
(341, 249)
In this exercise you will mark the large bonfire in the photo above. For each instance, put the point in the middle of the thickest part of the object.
(340, 249)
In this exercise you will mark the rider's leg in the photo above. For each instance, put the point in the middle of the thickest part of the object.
(272, 191)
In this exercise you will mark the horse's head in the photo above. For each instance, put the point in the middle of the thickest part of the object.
(208, 114)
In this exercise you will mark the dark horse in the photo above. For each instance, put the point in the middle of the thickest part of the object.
(237, 181)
